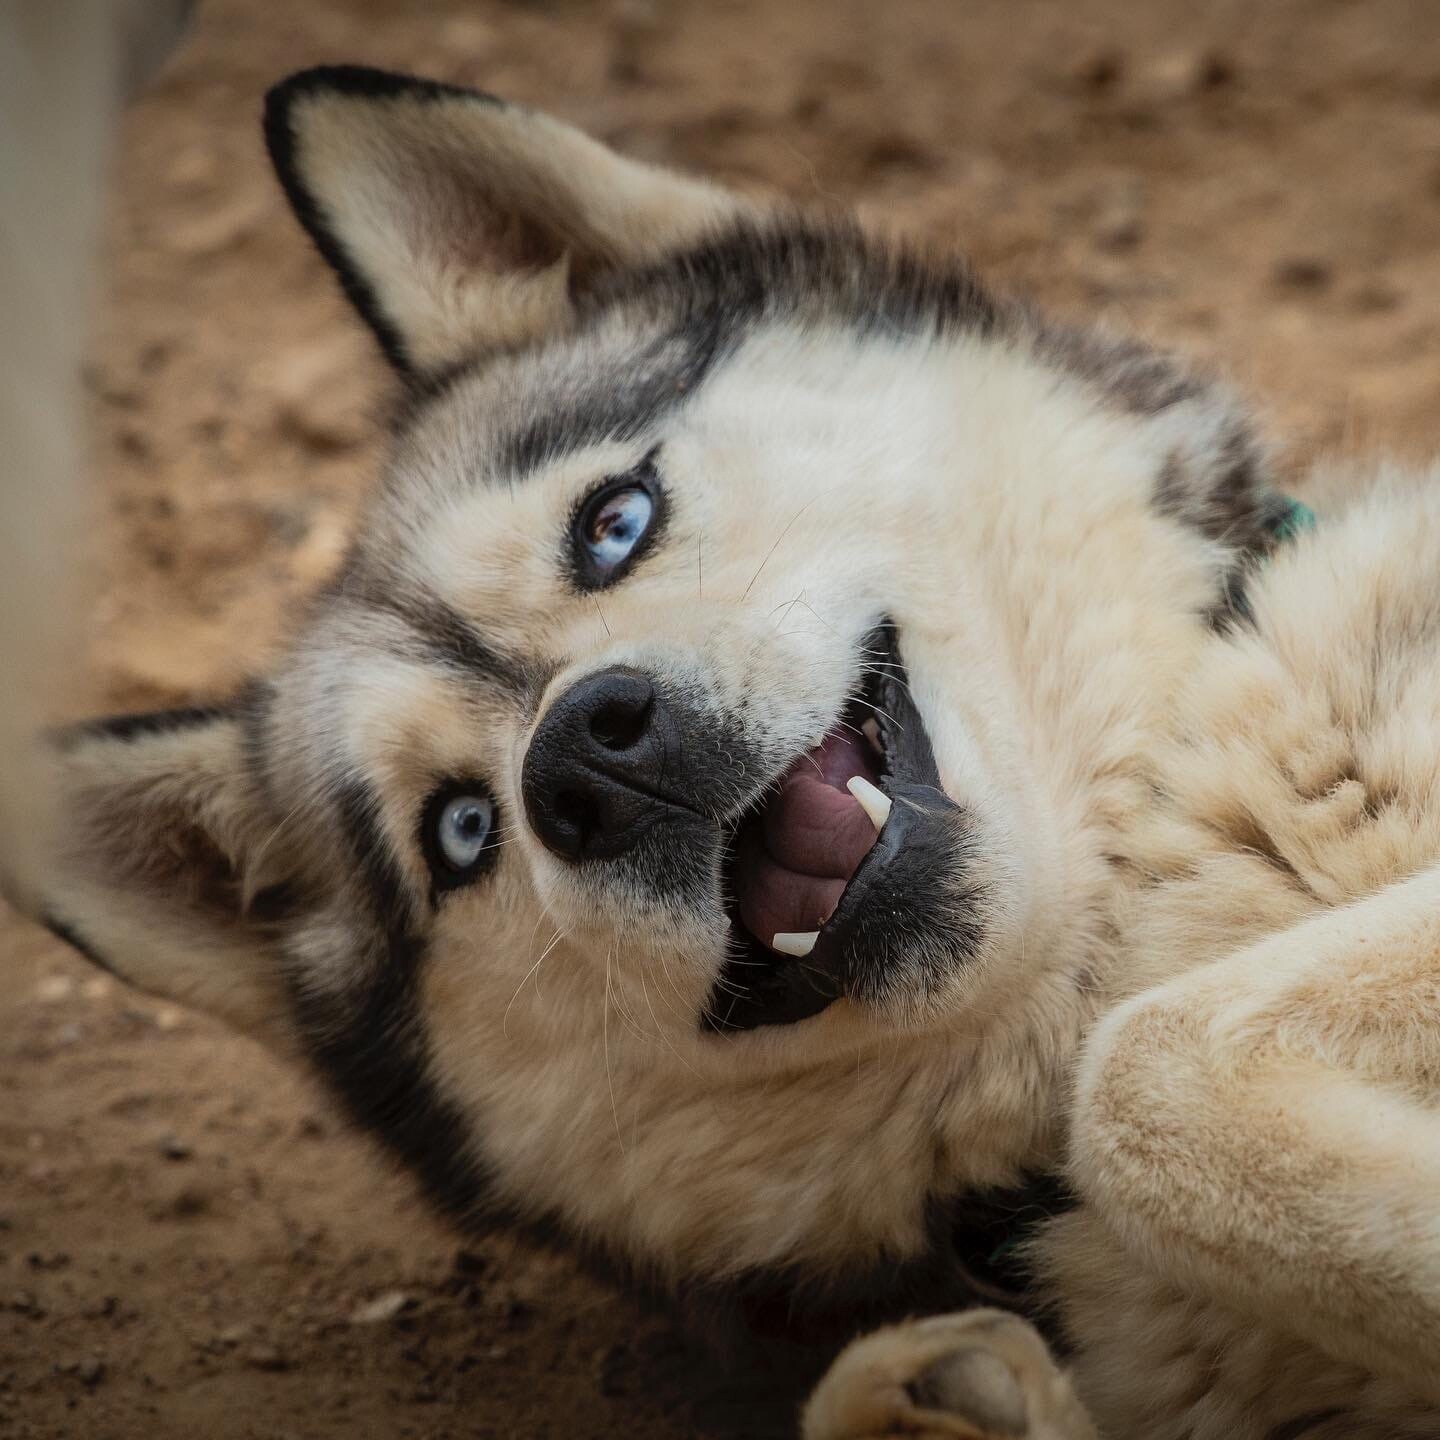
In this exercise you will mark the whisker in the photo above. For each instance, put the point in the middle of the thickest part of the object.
(824, 621)
(675, 989)
(622, 1008)
(253, 863)
(659, 1029)
(788, 609)
(860, 700)
(605, 1041)
(744, 595)
(505, 1019)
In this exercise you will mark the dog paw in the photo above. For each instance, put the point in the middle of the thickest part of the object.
(979, 1375)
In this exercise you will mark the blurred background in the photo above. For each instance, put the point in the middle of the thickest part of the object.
(188, 1243)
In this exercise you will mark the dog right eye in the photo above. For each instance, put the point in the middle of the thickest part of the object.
(615, 524)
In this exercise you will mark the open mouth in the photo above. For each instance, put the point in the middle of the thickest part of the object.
(814, 869)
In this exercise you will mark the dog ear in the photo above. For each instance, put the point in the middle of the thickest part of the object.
(168, 868)
(459, 223)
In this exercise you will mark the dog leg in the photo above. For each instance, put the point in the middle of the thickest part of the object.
(980, 1375)
(1265, 1132)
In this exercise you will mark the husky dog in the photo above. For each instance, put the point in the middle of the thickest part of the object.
(815, 782)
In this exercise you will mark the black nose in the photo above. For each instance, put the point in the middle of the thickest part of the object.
(594, 779)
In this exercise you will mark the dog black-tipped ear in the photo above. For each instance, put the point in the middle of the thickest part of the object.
(169, 868)
(458, 223)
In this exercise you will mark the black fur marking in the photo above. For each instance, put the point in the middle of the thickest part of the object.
(63, 930)
(141, 725)
(454, 640)
(1303, 1424)
(360, 82)
(991, 1230)
(371, 1044)
(1226, 494)
(253, 713)
(1135, 378)
(616, 407)
(912, 895)
(796, 268)
(445, 634)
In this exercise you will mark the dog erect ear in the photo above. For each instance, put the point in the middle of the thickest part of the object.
(459, 223)
(168, 869)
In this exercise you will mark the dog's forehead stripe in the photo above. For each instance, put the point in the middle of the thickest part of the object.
(439, 631)
(614, 406)
(450, 638)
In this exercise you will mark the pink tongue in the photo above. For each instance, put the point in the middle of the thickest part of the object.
(794, 861)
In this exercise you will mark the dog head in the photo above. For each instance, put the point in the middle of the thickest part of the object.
(684, 822)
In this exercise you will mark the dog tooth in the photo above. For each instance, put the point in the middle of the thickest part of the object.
(797, 942)
(873, 801)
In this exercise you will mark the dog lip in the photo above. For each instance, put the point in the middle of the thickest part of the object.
(912, 809)
(758, 987)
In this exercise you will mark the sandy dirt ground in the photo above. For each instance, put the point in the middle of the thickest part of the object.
(189, 1244)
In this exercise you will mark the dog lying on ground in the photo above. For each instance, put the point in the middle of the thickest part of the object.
(814, 781)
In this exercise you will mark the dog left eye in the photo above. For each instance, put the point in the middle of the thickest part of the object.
(610, 530)
(459, 835)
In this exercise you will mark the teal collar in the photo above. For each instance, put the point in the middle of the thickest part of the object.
(1294, 519)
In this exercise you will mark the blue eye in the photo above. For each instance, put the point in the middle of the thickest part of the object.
(462, 832)
(611, 529)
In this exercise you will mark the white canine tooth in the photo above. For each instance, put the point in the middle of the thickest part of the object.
(796, 942)
(873, 801)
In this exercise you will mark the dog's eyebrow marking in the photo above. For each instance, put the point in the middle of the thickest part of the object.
(615, 409)
(444, 634)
